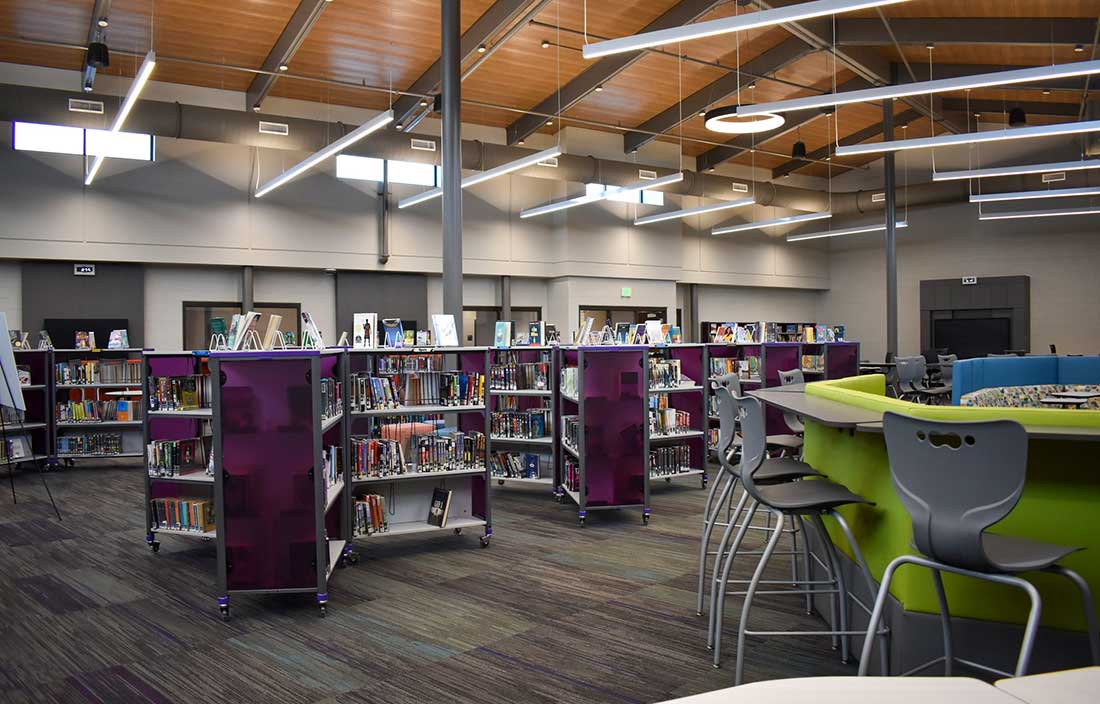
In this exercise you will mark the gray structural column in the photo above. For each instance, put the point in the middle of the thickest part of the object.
(247, 288)
(891, 231)
(452, 159)
(505, 297)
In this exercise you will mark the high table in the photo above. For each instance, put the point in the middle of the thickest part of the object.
(845, 690)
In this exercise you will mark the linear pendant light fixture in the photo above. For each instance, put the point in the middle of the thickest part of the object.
(857, 230)
(712, 208)
(483, 176)
(603, 195)
(789, 220)
(1020, 170)
(1020, 214)
(136, 87)
(948, 140)
(981, 80)
(372, 125)
(1030, 195)
(727, 25)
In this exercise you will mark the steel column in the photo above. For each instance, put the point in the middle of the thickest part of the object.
(891, 232)
(451, 147)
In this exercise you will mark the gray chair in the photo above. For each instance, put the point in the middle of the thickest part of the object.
(956, 479)
(791, 501)
(947, 367)
(911, 373)
(794, 376)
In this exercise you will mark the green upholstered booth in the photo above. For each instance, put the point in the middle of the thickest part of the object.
(1060, 503)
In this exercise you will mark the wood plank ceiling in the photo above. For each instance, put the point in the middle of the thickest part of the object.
(384, 43)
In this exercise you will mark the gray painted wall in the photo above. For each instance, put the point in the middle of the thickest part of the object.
(50, 290)
(402, 296)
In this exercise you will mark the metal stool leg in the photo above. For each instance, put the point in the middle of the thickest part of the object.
(714, 511)
(807, 572)
(1090, 611)
(741, 627)
(884, 654)
(945, 622)
(1032, 627)
(720, 554)
(842, 588)
(876, 612)
(718, 593)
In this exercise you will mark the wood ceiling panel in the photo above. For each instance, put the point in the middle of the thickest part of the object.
(606, 19)
(59, 20)
(1015, 55)
(986, 8)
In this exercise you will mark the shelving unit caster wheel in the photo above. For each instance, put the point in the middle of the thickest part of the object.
(484, 541)
(458, 531)
(323, 610)
(70, 462)
(559, 498)
(645, 520)
(225, 612)
(155, 546)
(668, 480)
(581, 519)
(500, 482)
(352, 558)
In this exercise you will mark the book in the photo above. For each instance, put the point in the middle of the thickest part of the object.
(423, 338)
(18, 339)
(83, 340)
(310, 327)
(586, 331)
(272, 331)
(536, 332)
(410, 338)
(502, 335)
(675, 335)
(44, 341)
(552, 337)
(231, 336)
(637, 336)
(243, 324)
(654, 332)
(446, 334)
(365, 331)
(119, 340)
(437, 511)
(24, 373)
(622, 333)
(343, 341)
(394, 332)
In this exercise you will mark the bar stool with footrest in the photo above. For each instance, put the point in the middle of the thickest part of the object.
(813, 498)
(911, 372)
(955, 479)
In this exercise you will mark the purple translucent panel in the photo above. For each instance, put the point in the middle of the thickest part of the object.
(842, 360)
(781, 356)
(179, 490)
(615, 415)
(479, 492)
(174, 428)
(691, 366)
(328, 365)
(176, 365)
(267, 454)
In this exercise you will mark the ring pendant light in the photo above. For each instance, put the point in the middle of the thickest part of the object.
(727, 120)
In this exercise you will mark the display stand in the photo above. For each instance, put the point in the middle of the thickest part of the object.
(427, 424)
(281, 527)
(514, 390)
(604, 437)
(34, 432)
(99, 376)
(690, 397)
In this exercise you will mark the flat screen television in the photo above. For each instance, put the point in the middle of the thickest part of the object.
(972, 337)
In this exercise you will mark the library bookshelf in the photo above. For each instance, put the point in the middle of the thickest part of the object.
(680, 452)
(604, 439)
(28, 436)
(97, 396)
(522, 405)
(274, 469)
(418, 423)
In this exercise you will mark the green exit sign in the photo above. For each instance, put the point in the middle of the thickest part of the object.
(626, 292)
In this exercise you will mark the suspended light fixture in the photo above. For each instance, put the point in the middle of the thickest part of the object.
(1020, 214)
(602, 195)
(981, 80)
(1021, 170)
(1017, 117)
(713, 208)
(798, 150)
(142, 77)
(761, 224)
(372, 125)
(1032, 195)
(727, 25)
(481, 177)
(971, 138)
(857, 230)
(727, 121)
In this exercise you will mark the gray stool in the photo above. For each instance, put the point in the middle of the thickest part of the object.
(792, 500)
(955, 480)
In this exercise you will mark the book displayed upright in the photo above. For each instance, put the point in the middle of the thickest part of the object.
(394, 332)
(502, 333)
(437, 510)
(446, 334)
(365, 331)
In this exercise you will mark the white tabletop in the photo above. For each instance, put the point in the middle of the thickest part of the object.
(1077, 394)
(1066, 687)
(846, 690)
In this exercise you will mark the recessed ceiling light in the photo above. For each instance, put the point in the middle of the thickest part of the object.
(599, 89)
(103, 22)
(545, 43)
(255, 108)
(521, 142)
(284, 67)
(1078, 49)
(1046, 91)
(702, 113)
(423, 102)
(929, 46)
(549, 123)
(481, 49)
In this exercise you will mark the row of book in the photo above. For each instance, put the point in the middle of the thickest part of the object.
(408, 363)
(516, 377)
(369, 515)
(379, 457)
(11, 416)
(515, 465)
(458, 388)
(668, 460)
(332, 402)
(757, 332)
(666, 421)
(91, 411)
(376, 457)
(192, 515)
(98, 371)
(571, 430)
(813, 362)
(179, 393)
(747, 368)
(333, 459)
(571, 474)
(665, 374)
(532, 423)
(170, 458)
(98, 444)
(569, 381)
(651, 332)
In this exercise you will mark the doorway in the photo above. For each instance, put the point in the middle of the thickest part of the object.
(479, 322)
(611, 315)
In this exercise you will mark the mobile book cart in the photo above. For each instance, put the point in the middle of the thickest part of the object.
(510, 389)
(690, 396)
(280, 525)
(604, 429)
(406, 486)
(71, 439)
(35, 430)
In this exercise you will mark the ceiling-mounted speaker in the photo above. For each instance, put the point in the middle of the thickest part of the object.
(798, 151)
(98, 56)
(1017, 117)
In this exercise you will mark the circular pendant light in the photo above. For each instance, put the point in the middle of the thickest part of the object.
(727, 120)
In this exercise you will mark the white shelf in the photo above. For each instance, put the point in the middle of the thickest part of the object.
(87, 456)
(32, 387)
(545, 440)
(98, 423)
(567, 397)
(24, 460)
(12, 428)
(413, 527)
(675, 390)
(328, 423)
(418, 410)
(335, 548)
(134, 393)
(570, 449)
(197, 476)
(191, 413)
(419, 475)
(332, 493)
(813, 371)
(520, 392)
(666, 437)
(119, 385)
(189, 533)
(749, 380)
(527, 480)
(575, 495)
(677, 475)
